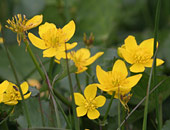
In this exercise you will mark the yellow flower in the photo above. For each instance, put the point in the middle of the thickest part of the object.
(140, 56)
(1, 40)
(89, 104)
(82, 59)
(3, 87)
(12, 94)
(116, 80)
(20, 24)
(53, 39)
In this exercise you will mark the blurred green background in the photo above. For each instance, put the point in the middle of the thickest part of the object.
(111, 21)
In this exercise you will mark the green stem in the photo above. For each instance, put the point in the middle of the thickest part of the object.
(33, 58)
(78, 83)
(118, 110)
(108, 108)
(76, 123)
(51, 68)
(18, 83)
(154, 67)
(41, 111)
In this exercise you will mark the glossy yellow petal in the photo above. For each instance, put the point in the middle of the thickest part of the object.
(27, 95)
(24, 87)
(34, 22)
(79, 99)
(137, 68)
(1, 40)
(3, 86)
(83, 53)
(1, 98)
(81, 69)
(158, 63)
(60, 54)
(93, 58)
(119, 50)
(37, 41)
(69, 30)
(119, 66)
(127, 55)
(105, 87)
(131, 81)
(14, 102)
(93, 114)
(102, 75)
(130, 43)
(81, 111)
(100, 101)
(50, 52)
(90, 91)
(70, 46)
(46, 28)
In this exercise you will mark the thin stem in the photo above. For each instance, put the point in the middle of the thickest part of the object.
(118, 110)
(78, 83)
(41, 111)
(18, 83)
(154, 67)
(76, 123)
(51, 68)
(108, 108)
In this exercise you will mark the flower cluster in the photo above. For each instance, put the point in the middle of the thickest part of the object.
(10, 94)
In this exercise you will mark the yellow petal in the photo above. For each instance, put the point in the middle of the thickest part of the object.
(34, 22)
(1, 98)
(137, 68)
(102, 75)
(79, 99)
(106, 87)
(93, 58)
(93, 114)
(68, 46)
(50, 52)
(100, 101)
(119, 66)
(1, 40)
(46, 28)
(14, 102)
(158, 63)
(131, 81)
(24, 87)
(90, 91)
(27, 95)
(130, 43)
(69, 30)
(3, 86)
(81, 69)
(83, 53)
(60, 54)
(81, 111)
(127, 55)
(37, 41)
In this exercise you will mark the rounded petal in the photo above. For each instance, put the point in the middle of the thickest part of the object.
(81, 69)
(27, 95)
(102, 75)
(79, 99)
(69, 30)
(39, 43)
(106, 87)
(127, 55)
(3, 86)
(137, 68)
(130, 43)
(44, 29)
(100, 101)
(50, 52)
(81, 111)
(71, 46)
(34, 22)
(158, 63)
(131, 81)
(93, 114)
(90, 91)
(24, 87)
(83, 53)
(14, 102)
(93, 58)
(119, 66)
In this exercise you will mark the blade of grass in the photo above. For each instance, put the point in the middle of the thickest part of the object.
(78, 83)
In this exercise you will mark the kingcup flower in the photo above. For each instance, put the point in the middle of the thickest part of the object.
(3, 87)
(52, 40)
(20, 24)
(12, 93)
(116, 80)
(139, 56)
(82, 58)
(89, 103)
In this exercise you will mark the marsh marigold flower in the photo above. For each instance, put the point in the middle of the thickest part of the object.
(89, 103)
(20, 24)
(116, 80)
(82, 58)
(12, 93)
(140, 56)
(52, 40)
(3, 87)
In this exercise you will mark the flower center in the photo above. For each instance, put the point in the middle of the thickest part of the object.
(90, 104)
